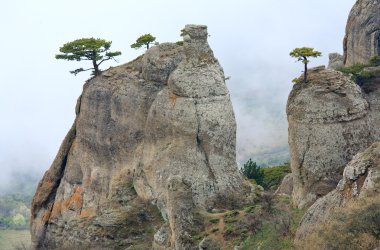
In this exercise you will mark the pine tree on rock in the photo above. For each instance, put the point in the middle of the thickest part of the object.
(302, 54)
(144, 41)
(95, 50)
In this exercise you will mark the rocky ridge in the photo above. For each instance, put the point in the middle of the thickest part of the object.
(153, 144)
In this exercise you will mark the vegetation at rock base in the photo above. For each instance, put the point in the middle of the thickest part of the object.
(95, 50)
(269, 177)
(358, 72)
(144, 41)
(356, 226)
(269, 223)
(303, 54)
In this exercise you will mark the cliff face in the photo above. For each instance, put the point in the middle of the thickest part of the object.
(361, 179)
(330, 120)
(362, 40)
(153, 142)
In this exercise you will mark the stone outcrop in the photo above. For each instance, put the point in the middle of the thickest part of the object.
(330, 120)
(362, 39)
(361, 179)
(153, 143)
(335, 61)
(286, 186)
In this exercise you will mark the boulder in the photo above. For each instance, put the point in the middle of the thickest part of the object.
(328, 124)
(335, 61)
(286, 186)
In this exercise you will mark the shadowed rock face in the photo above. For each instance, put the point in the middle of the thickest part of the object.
(361, 179)
(329, 122)
(362, 40)
(153, 141)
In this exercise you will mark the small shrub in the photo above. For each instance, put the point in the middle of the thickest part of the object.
(214, 220)
(231, 214)
(374, 61)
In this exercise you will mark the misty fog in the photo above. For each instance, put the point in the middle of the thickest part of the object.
(251, 39)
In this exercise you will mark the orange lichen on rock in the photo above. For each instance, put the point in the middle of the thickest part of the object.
(87, 212)
(56, 211)
(75, 202)
(173, 99)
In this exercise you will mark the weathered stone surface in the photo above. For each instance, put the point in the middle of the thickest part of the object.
(335, 61)
(361, 179)
(138, 144)
(362, 39)
(328, 124)
(286, 186)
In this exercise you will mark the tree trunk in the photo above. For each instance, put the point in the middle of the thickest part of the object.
(147, 46)
(305, 73)
(96, 67)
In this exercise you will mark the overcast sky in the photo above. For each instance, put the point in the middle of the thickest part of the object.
(252, 40)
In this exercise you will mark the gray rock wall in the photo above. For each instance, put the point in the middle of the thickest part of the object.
(362, 39)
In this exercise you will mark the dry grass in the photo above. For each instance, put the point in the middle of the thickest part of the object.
(14, 239)
(355, 226)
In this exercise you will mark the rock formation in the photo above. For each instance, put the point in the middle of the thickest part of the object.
(153, 142)
(362, 40)
(335, 61)
(361, 179)
(286, 186)
(330, 120)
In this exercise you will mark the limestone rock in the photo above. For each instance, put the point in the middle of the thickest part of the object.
(328, 124)
(335, 61)
(286, 186)
(153, 142)
(362, 39)
(361, 179)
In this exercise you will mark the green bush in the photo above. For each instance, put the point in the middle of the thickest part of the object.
(273, 176)
(359, 74)
(252, 171)
(269, 177)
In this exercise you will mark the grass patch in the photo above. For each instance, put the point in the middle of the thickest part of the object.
(14, 239)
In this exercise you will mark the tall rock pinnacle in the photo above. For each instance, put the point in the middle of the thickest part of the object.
(152, 145)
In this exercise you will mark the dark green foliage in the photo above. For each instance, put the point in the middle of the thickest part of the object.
(269, 177)
(214, 220)
(144, 41)
(180, 43)
(303, 54)
(374, 61)
(273, 176)
(358, 71)
(95, 50)
(252, 171)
